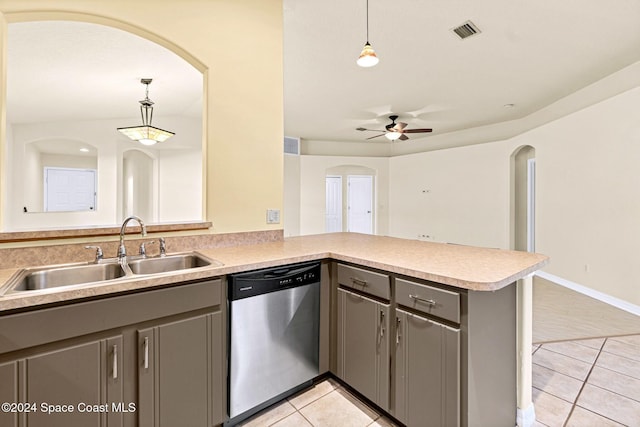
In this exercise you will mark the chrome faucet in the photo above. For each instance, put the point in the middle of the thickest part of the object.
(122, 251)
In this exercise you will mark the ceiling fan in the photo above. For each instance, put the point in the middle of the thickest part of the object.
(395, 130)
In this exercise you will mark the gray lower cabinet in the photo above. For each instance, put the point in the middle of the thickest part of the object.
(175, 373)
(427, 372)
(363, 345)
(152, 358)
(72, 382)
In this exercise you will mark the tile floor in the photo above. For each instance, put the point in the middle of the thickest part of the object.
(326, 404)
(587, 383)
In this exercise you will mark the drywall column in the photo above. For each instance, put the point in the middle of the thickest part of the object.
(526, 415)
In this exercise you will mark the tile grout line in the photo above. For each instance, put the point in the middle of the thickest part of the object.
(575, 402)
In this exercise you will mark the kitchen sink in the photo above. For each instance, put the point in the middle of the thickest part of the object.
(170, 263)
(32, 279)
(49, 277)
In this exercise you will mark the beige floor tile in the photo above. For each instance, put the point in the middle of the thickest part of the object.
(293, 420)
(619, 364)
(582, 418)
(338, 409)
(633, 340)
(560, 314)
(573, 349)
(622, 349)
(618, 383)
(596, 343)
(555, 383)
(270, 416)
(550, 410)
(303, 398)
(560, 363)
(610, 405)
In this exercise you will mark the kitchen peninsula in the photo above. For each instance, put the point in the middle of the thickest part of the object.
(471, 306)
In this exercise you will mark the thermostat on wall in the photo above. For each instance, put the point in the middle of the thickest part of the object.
(273, 216)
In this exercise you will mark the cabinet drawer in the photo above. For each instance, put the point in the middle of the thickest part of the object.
(427, 299)
(375, 284)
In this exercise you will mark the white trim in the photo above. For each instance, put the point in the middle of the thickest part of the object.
(600, 296)
(526, 417)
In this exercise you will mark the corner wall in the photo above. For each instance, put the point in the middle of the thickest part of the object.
(239, 44)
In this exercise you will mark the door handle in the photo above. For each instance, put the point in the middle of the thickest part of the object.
(115, 362)
(145, 351)
(397, 330)
(381, 324)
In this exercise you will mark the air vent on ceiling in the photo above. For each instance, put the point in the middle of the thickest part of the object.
(291, 145)
(466, 30)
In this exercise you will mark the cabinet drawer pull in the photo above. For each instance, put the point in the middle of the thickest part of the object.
(381, 324)
(146, 353)
(417, 298)
(397, 330)
(115, 362)
(358, 282)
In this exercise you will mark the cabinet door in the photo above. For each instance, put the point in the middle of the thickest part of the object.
(427, 374)
(72, 379)
(363, 346)
(9, 392)
(176, 373)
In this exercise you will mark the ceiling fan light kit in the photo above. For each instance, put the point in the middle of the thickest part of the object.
(368, 57)
(146, 134)
(395, 131)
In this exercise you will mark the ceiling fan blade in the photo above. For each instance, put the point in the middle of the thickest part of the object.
(370, 130)
(371, 137)
(403, 137)
(417, 130)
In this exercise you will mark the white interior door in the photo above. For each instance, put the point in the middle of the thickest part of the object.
(360, 203)
(333, 215)
(68, 189)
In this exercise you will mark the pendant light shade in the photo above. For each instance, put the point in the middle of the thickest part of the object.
(368, 57)
(146, 134)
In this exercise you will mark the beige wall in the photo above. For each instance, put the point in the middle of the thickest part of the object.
(459, 195)
(238, 46)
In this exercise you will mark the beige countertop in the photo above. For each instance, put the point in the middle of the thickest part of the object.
(467, 267)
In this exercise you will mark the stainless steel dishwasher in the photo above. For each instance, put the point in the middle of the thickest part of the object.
(274, 335)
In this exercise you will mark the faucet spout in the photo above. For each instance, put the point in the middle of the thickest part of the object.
(122, 250)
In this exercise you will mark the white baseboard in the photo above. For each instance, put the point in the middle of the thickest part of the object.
(526, 417)
(600, 296)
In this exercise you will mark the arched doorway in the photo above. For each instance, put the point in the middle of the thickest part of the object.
(523, 189)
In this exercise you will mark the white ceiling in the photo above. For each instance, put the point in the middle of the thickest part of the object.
(529, 53)
(73, 71)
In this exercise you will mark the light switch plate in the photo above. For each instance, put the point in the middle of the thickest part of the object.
(273, 216)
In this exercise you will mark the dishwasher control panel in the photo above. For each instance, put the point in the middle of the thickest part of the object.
(252, 283)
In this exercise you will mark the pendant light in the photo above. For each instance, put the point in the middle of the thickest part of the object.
(368, 56)
(146, 134)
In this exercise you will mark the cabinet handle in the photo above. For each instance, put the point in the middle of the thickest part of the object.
(358, 282)
(417, 298)
(115, 362)
(397, 330)
(381, 323)
(146, 353)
